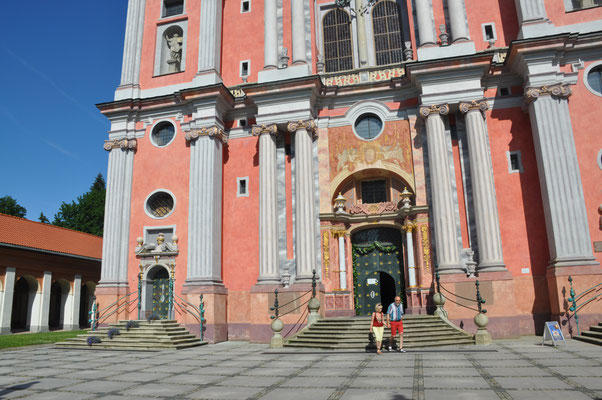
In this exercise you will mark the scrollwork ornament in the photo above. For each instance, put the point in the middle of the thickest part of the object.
(124, 144)
(309, 125)
(257, 130)
(212, 131)
(442, 109)
(558, 90)
(480, 105)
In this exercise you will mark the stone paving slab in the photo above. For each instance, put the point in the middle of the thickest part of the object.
(519, 369)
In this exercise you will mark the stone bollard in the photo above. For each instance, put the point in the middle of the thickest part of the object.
(276, 341)
(313, 306)
(482, 337)
(439, 301)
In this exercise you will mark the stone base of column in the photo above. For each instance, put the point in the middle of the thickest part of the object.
(107, 294)
(5, 330)
(205, 78)
(450, 269)
(491, 267)
(460, 48)
(36, 329)
(70, 327)
(294, 71)
(215, 300)
(127, 92)
(572, 262)
(416, 301)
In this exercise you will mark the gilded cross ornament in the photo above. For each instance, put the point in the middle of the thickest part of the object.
(210, 131)
(557, 90)
(442, 109)
(309, 125)
(125, 144)
(261, 129)
(479, 105)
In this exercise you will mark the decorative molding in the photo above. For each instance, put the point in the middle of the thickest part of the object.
(326, 251)
(125, 144)
(480, 105)
(261, 129)
(426, 248)
(364, 77)
(557, 90)
(212, 131)
(339, 232)
(373, 208)
(408, 226)
(309, 125)
(442, 109)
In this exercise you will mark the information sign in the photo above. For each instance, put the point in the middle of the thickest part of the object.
(552, 332)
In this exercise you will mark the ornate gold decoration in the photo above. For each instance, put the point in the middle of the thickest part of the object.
(442, 109)
(326, 250)
(238, 93)
(259, 129)
(480, 105)
(426, 248)
(373, 208)
(337, 233)
(380, 75)
(141, 270)
(211, 131)
(309, 125)
(125, 144)
(557, 90)
(172, 270)
(408, 226)
(339, 203)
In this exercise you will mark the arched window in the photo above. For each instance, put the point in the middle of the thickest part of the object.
(387, 33)
(338, 53)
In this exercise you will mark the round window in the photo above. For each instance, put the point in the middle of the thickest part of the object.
(163, 134)
(368, 126)
(160, 204)
(594, 80)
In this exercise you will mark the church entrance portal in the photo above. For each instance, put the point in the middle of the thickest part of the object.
(159, 277)
(377, 273)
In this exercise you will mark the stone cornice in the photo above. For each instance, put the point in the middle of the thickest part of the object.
(258, 130)
(309, 125)
(558, 90)
(474, 105)
(211, 131)
(442, 109)
(125, 144)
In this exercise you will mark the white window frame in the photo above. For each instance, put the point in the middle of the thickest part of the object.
(161, 227)
(150, 133)
(492, 24)
(586, 73)
(172, 16)
(156, 191)
(599, 159)
(159, 47)
(324, 9)
(520, 169)
(238, 180)
(241, 8)
(248, 69)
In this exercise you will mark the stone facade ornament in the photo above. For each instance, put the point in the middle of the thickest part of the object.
(320, 63)
(408, 53)
(442, 109)
(284, 58)
(339, 204)
(443, 36)
(309, 125)
(471, 265)
(125, 144)
(373, 208)
(558, 90)
(480, 105)
(406, 199)
(260, 129)
(212, 131)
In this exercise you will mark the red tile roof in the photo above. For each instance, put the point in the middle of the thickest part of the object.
(26, 233)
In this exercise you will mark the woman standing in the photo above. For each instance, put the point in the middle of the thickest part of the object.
(377, 326)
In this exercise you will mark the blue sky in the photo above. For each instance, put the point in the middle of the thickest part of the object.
(57, 60)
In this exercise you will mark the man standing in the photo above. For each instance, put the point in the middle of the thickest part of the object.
(394, 316)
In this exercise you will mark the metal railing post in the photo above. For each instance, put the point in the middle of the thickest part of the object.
(573, 308)
(314, 304)
(482, 337)
(201, 316)
(438, 298)
(277, 324)
(140, 293)
(92, 313)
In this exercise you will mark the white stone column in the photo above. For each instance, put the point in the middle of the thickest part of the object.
(205, 206)
(270, 33)
(457, 20)
(6, 304)
(361, 35)
(530, 10)
(40, 308)
(298, 31)
(559, 177)
(72, 305)
(210, 36)
(444, 223)
(269, 269)
(408, 228)
(132, 50)
(117, 212)
(483, 188)
(305, 239)
(426, 27)
(342, 265)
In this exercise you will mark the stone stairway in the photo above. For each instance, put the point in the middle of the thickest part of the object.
(593, 336)
(352, 333)
(148, 336)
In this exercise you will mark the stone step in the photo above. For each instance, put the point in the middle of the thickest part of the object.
(596, 328)
(406, 336)
(139, 337)
(597, 335)
(589, 339)
(351, 346)
(324, 327)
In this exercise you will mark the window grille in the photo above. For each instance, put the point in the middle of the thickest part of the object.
(594, 78)
(387, 33)
(163, 134)
(338, 53)
(368, 126)
(173, 7)
(160, 204)
(374, 192)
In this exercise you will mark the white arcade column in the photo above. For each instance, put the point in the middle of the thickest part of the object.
(6, 303)
(71, 319)
(40, 309)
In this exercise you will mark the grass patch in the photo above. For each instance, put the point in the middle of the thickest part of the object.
(30, 339)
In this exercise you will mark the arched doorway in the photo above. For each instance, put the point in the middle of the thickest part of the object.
(59, 290)
(84, 304)
(157, 292)
(21, 305)
(377, 268)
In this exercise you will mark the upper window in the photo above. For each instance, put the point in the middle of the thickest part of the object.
(594, 79)
(338, 53)
(160, 204)
(163, 133)
(173, 7)
(368, 126)
(374, 191)
(387, 33)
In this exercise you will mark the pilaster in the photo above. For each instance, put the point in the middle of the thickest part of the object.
(205, 206)
(298, 31)
(426, 26)
(484, 197)
(559, 177)
(72, 319)
(270, 40)
(444, 223)
(40, 309)
(132, 51)
(457, 19)
(210, 43)
(6, 304)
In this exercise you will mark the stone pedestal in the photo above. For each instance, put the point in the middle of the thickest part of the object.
(215, 299)
(107, 295)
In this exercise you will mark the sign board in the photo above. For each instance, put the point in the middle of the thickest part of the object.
(553, 332)
(371, 281)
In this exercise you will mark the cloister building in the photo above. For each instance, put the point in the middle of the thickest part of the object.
(48, 276)
(373, 141)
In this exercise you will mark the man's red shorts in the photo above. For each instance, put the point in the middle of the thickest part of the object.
(396, 326)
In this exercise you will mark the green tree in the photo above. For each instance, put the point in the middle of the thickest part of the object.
(87, 213)
(9, 205)
(42, 218)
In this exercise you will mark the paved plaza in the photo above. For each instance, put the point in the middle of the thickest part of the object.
(519, 369)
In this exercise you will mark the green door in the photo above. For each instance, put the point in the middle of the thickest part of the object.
(377, 256)
(161, 297)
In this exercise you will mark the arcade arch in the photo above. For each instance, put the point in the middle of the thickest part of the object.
(23, 299)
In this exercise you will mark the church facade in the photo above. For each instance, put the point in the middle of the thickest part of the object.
(376, 143)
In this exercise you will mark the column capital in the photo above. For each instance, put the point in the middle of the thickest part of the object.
(339, 233)
(409, 226)
(258, 130)
(442, 109)
(210, 131)
(557, 90)
(125, 144)
(309, 125)
(474, 105)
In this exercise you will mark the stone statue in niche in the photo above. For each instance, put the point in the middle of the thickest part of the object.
(174, 43)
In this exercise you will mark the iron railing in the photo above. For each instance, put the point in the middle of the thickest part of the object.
(184, 306)
(479, 299)
(579, 301)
